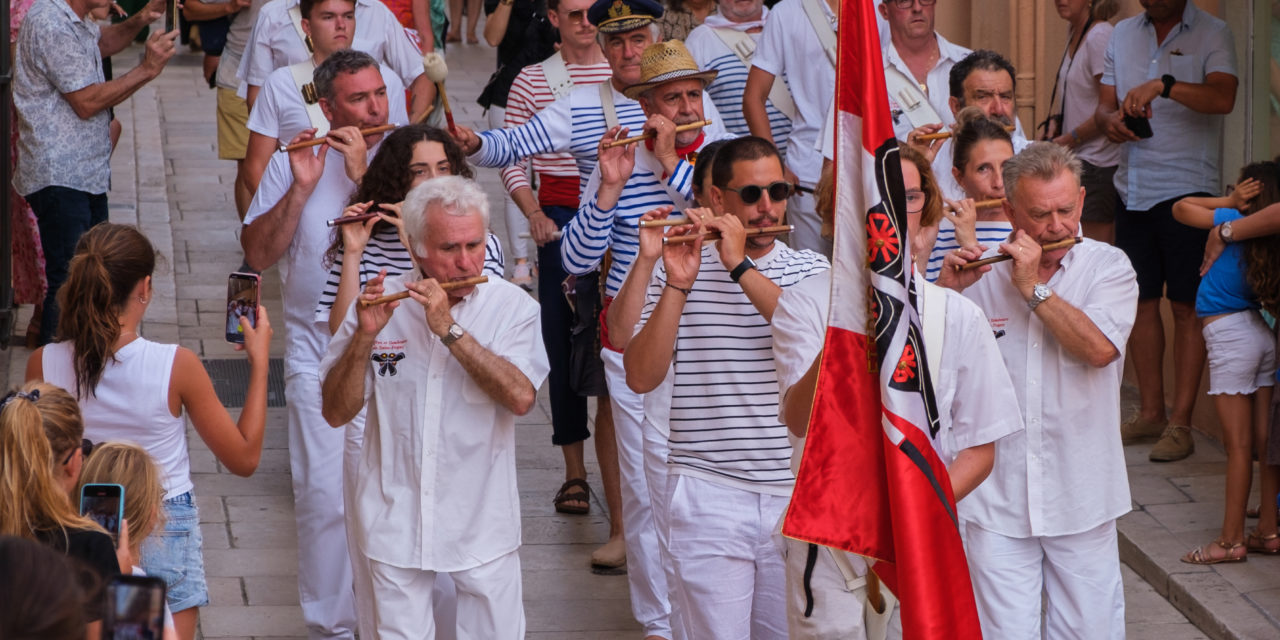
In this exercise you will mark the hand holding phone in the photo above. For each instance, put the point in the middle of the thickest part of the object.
(243, 290)
(1139, 125)
(135, 608)
(104, 504)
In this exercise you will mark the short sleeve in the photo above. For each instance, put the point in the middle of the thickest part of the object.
(397, 105)
(264, 117)
(1095, 48)
(799, 328)
(61, 59)
(772, 46)
(1113, 298)
(399, 52)
(1220, 54)
(275, 183)
(1109, 62)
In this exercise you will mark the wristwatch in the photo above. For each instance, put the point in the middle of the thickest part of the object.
(1224, 232)
(1168, 81)
(741, 269)
(1039, 294)
(455, 333)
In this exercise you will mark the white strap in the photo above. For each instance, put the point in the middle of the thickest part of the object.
(933, 315)
(822, 26)
(303, 73)
(744, 46)
(295, 15)
(646, 159)
(557, 74)
(606, 103)
(915, 105)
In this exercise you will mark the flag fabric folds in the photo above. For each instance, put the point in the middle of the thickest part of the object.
(870, 481)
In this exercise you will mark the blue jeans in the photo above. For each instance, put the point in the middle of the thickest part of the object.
(174, 554)
(63, 215)
(568, 409)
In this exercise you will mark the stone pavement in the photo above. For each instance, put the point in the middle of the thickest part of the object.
(168, 180)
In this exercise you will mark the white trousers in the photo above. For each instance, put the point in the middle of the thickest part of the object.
(802, 212)
(1079, 575)
(516, 222)
(490, 602)
(730, 574)
(646, 576)
(839, 600)
(315, 462)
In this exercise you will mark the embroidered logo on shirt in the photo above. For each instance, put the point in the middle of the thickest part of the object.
(387, 362)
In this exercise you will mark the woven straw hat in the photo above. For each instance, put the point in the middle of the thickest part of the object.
(663, 62)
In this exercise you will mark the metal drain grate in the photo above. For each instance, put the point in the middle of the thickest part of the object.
(229, 376)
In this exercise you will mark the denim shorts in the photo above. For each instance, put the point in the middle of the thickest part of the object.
(174, 554)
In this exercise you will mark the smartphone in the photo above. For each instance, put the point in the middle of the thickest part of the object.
(171, 19)
(135, 608)
(242, 300)
(1139, 125)
(104, 504)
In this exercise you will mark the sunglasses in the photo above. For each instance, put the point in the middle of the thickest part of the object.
(778, 191)
(85, 445)
(578, 15)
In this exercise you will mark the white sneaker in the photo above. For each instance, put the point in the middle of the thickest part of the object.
(523, 275)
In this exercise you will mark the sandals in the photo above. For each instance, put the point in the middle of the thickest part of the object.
(573, 490)
(1255, 542)
(1202, 555)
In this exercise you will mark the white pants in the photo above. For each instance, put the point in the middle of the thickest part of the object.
(1079, 575)
(802, 212)
(730, 574)
(315, 462)
(490, 605)
(839, 602)
(645, 573)
(516, 222)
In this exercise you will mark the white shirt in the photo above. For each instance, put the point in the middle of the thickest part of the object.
(1066, 473)
(1078, 90)
(938, 82)
(790, 51)
(302, 270)
(274, 43)
(436, 486)
(711, 52)
(237, 37)
(280, 113)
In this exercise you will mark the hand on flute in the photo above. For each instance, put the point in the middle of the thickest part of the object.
(368, 300)
(382, 128)
(363, 212)
(651, 133)
(1052, 246)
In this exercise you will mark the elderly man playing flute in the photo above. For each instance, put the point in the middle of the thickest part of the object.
(444, 378)
(1045, 520)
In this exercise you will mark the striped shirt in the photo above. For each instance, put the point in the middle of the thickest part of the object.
(530, 93)
(385, 251)
(990, 233)
(724, 401)
(726, 90)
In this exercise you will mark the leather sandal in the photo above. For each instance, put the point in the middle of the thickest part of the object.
(573, 490)
(1255, 542)
(1201, 554)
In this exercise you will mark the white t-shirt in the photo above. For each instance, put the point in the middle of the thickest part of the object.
(280, 113)
(302, 271)
(789, 49)
(274, 43)
(237, 37)
(1078, 87)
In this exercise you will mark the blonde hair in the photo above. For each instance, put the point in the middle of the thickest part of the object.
(31, 499)
(1104, 9)
(60, 413)
(131, 467)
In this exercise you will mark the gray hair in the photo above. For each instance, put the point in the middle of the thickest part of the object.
(1041, 160)
(454, 195)
(339, 62)
(655, 30)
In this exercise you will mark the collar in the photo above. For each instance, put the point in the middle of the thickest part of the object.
(718, 21)
(66, 9)
(1189, 15)
(689, 152)
(947, 51)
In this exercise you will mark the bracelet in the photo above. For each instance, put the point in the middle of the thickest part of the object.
(686, 292)
(1075, 136)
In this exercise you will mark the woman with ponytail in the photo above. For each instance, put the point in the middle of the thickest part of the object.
(133, 390)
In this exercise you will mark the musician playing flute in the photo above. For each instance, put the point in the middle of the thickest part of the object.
(300, 190)
(444, 373)
(1046, 517)
(706, 314)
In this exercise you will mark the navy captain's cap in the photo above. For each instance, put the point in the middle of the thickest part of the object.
(617, 16)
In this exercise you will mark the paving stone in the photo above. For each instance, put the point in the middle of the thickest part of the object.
(272, 590)
(225, 592)
(250, 562)
(258, 620)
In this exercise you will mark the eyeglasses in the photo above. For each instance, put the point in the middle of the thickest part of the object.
(579, 15)
(85, 445)
(903, 5)
(778, 191)
(915, 201)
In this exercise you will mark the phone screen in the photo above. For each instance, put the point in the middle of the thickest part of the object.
(242, 300)
(103, 503)
(135, 608)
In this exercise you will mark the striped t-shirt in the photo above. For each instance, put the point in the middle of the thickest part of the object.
(530, 94)
(724, 401)
(726, 90)
(990, 233)
(385, 251)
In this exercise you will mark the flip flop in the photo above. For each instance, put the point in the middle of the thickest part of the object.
(573, 490)
(1200, 555)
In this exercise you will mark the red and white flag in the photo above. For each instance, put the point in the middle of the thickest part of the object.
(870, 481)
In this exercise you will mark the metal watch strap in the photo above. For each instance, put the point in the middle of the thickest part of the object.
(455, 333)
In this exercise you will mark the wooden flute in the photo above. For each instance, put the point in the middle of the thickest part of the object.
(352, 219)
(1052, 246)
(715, 235)
(944, 134)
(447, 286)
(382, 128)
(649, 134)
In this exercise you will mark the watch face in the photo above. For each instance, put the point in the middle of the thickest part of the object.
(1041, 291)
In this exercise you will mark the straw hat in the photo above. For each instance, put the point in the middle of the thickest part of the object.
(663, 62)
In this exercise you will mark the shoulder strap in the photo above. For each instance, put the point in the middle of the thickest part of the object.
(915, 106)
(822, 26)
(295, 16)
(933, 317)
(606, 103)
(302, 73)
(744, 46)
(557, 73)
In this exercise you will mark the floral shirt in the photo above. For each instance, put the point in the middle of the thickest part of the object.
(58, 54)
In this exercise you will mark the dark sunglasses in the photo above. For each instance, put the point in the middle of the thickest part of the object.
(778, 191)
(85, 445)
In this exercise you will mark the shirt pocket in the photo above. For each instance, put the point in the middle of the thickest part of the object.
(1187, 67)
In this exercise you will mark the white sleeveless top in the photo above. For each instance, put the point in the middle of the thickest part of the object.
(131, 404)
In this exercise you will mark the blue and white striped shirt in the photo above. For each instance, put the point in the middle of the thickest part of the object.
(726, 90)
